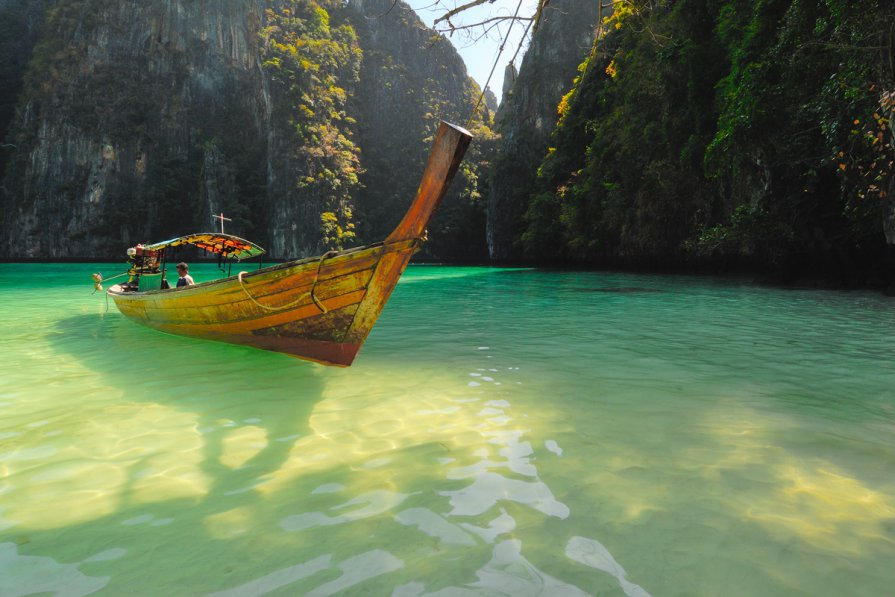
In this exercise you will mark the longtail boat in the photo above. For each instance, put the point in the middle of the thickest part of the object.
(319, 309)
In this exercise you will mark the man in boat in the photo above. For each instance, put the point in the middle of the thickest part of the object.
(185, 279)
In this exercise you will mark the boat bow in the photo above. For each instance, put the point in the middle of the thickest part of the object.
(320, 309)
(450, 145)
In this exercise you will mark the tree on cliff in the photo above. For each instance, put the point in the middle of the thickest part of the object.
(731, 132)
(314, 66)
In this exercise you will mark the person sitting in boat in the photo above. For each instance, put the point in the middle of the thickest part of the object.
(185, 279)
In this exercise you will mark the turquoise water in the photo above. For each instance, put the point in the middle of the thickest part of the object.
(503, 432)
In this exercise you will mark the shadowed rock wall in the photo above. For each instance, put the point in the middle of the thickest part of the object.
(138, 119)
(528, 114)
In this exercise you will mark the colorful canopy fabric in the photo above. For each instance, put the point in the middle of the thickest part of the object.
(226, 245)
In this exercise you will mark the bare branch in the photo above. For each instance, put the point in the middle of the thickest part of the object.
(486, 22)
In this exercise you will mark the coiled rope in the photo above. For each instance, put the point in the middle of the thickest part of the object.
(310, 293)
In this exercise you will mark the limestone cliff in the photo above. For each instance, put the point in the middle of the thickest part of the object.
(125, 100)
(138, 119)
(20, 27)
(528, 114)
(411, 77)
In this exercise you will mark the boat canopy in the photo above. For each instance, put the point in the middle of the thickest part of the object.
(225, 245)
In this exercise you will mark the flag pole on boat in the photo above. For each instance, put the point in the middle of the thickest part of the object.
(222, 219)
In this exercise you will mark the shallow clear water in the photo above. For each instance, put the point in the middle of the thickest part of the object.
(503, 432)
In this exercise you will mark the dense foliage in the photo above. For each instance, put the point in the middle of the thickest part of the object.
(751, 132)
(314, 65)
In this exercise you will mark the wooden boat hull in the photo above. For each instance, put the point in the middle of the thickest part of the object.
(275, 308)
(320, 309)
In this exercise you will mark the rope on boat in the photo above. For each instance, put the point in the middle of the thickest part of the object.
(310, 293)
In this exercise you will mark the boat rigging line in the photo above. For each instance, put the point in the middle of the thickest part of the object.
(98, 280)
(310, 293)
(503, 43)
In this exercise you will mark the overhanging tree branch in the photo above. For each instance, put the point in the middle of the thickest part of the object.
(447, 16)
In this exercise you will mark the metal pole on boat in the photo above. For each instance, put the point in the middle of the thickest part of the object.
(222, 219)
(164, 263)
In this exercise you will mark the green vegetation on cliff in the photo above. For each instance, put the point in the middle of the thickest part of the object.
(314, 66)
(729, 131)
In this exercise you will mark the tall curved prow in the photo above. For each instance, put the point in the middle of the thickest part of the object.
(450, 145)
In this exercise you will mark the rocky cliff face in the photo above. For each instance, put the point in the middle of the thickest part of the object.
(410, 79)
(20, 27)
(528, 114)
(128, 99)
(139, 119)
